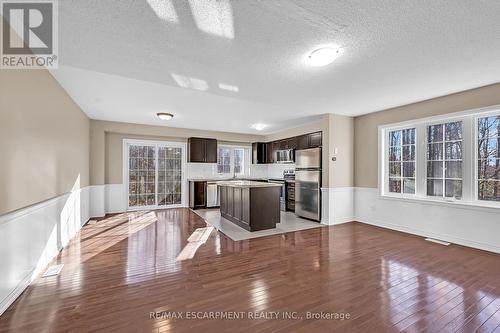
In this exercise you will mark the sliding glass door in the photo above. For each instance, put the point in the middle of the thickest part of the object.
(169, 176)
(154, 174)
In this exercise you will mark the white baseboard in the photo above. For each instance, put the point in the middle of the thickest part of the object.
(31, 237)
(476, 228)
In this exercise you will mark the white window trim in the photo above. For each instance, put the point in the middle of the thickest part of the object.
(125, 166)
(469, 158)
(246, 159)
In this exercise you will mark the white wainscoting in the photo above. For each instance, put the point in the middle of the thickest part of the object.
(470, 226)
(111, 198)
(31, 237)
(337, 205)
(115, 198)
(97, 200)
(105, 199)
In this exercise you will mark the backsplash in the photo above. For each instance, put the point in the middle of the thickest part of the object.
(209, 170)
(276, 170)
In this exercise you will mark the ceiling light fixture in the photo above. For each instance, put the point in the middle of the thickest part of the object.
(165, 115)
(323, 56)
(259, 127)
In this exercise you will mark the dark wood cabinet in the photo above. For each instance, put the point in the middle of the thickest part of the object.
(269, 153)
(202, 150)
(303, 141)
(268, 150)
(292, 143)
(252, 208)
(196, 150)
(311, 140)
(276, 145)
(259, 153)
(210, 151)
(197, 194)
(315, 140)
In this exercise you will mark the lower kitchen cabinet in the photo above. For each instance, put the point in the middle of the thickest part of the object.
(197, 194)
(252, 208)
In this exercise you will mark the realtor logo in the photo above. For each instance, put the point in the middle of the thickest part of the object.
(29, 34)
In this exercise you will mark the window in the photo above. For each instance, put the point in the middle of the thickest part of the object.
(232, 160)
(153, 174)
(444, 160)
(142, 175)
(224, 160)
(239, 159)
(402, 161)
(488, 163)
(169, 175)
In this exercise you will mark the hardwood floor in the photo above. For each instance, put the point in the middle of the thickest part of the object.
(119, 271)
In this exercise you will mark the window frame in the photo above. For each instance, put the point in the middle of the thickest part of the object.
(466, 151)
(156, 144)
(386, 161)
(475, 177)
(246, 163)
(470, 143)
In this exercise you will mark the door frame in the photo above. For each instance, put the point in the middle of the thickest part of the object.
(156, 144)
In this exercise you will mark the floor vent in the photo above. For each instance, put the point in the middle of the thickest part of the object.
(437, 241)
(53, 270)
(92, 222)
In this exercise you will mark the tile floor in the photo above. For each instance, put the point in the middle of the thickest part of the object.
(289, 222)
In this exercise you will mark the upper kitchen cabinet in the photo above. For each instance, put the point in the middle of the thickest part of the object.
(269, 153)
(315, 140)
(311, 140)
(290, 143)
(210, 150)
(259, 153)
(202, 150)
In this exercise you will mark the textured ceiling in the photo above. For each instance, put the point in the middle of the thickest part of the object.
(126, 60)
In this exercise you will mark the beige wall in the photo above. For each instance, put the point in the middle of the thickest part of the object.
(44, 140)
(366, 127)
(342, 139)
(107, 145)
(106, 137)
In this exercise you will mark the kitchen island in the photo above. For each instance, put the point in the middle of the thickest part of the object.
(251, 205)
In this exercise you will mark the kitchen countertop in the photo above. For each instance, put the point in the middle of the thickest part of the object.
(226, 179)
(246, 183)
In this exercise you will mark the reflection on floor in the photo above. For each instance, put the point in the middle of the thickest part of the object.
(121, 270)
(289, 223)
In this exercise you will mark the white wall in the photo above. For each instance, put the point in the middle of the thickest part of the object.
(471, 226)
(337, 205)
(31, 237)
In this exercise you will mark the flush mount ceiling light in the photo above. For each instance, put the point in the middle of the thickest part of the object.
(323, 56)
(259, 127)
(165, 115)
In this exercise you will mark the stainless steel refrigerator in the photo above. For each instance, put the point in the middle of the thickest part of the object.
(308, 183)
